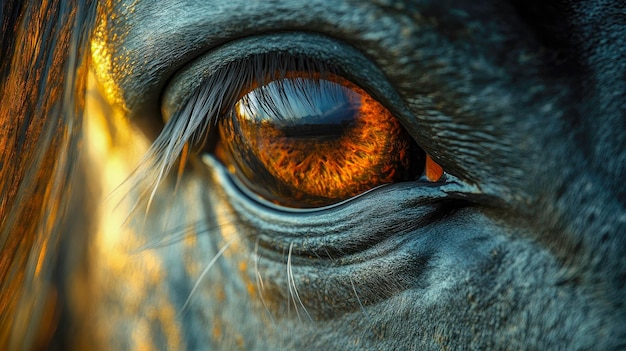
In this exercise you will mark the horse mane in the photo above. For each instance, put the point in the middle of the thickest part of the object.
(43, 74)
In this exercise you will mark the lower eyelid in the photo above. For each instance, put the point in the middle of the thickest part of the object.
(392, 197)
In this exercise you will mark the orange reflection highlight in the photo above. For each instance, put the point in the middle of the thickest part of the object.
(433, 170)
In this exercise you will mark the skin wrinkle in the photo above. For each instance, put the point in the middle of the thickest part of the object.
(521, 246)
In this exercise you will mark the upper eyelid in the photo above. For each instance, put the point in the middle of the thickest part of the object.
(331, 53)
(154, 52)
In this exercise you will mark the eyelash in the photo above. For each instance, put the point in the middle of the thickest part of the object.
(189, 128)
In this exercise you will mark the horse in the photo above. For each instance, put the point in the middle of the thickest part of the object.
(312, 175)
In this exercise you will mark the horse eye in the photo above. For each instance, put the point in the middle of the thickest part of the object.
(305, 141)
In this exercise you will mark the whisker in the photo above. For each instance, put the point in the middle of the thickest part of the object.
(328, 255)
(219, 254)
(259, 279)
(357, 297)
(175, 236)
(256, 264)
(180, 232)
(292, 282)
(290, 291)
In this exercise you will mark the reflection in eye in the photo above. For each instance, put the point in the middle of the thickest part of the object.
(302, 141)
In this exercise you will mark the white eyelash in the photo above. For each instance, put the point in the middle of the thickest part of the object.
(191, 125)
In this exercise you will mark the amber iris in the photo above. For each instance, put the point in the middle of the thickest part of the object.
(309, 142)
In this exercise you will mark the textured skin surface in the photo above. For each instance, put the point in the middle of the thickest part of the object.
(523, 250)
(522, 104)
